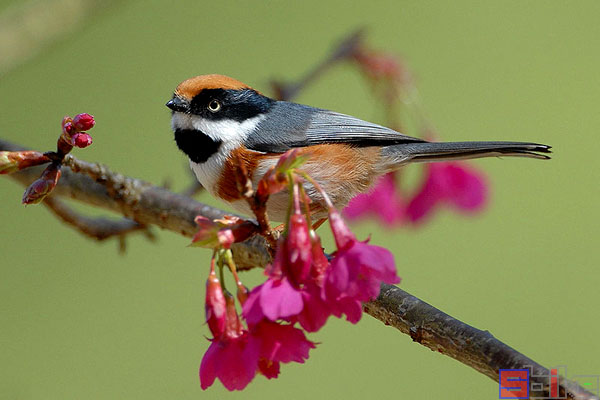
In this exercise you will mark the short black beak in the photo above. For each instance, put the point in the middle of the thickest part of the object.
(178, 104)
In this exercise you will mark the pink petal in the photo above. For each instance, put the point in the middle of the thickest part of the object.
(208, 369)
(282, 343)
(468, 190)
(315, 312)
(233, 361)
(383, 201)
(251, 310)
(448, 182)
(279, 299)
(270, 369)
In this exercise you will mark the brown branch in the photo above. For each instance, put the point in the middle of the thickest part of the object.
(98, 228)
(151, 205)
(141, 202)
(478, 349)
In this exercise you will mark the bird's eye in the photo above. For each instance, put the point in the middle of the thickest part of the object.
(214, 106)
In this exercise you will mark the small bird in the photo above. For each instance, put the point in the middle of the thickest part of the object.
(219, 122)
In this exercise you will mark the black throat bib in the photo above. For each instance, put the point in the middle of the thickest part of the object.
(197, 145)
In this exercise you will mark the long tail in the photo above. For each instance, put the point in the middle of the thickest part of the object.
(431, 151)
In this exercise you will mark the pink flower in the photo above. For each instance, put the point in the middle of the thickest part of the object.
(237, 354)
(231, 357)
(315, 310)
(451, 183)
(384, 201)
(293, 290)
(233, 360)
(357, 271)
(275, 299)
(278, 343)
(83, 122)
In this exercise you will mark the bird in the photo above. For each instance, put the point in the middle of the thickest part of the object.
(219, 122)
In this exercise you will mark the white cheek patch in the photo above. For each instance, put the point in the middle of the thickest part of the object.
(226, 130)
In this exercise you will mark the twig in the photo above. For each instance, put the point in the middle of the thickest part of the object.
(98, 228)
(194, 188)
(343, 51)
(478, 349)
(141, 202)
(427, 325)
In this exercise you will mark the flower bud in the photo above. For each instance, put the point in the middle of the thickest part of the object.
(81, 140)
(340, 230)
(66, 119)
(12, 161)
(83, 122)
(233, 328)
(42, 187)
(299, 251)
(214, 306)
(68, 128)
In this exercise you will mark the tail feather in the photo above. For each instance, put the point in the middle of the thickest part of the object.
(431, 151)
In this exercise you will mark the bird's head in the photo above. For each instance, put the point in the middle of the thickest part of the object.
(220, 107)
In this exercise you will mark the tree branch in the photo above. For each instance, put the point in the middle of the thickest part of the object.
(97, 228)
(150, 205)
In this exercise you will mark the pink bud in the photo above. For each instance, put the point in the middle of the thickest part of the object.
(83, 122)
(66, 119)
(299, 251)
(42, 187)
(214, 306)
(320, 261)
(68, 128)
(341, 233)
(81, 140)
(233, 328)
(242, 293)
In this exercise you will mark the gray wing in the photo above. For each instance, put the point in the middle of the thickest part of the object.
(288, 125)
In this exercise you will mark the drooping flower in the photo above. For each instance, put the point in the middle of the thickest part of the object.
(278, 343)
(303, 287)
(292, 291)
(384, 201)
(236, 354)
(451, 183)
(356, 272)
(231, 357)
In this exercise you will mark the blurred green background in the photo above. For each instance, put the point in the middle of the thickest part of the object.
(80, 321)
